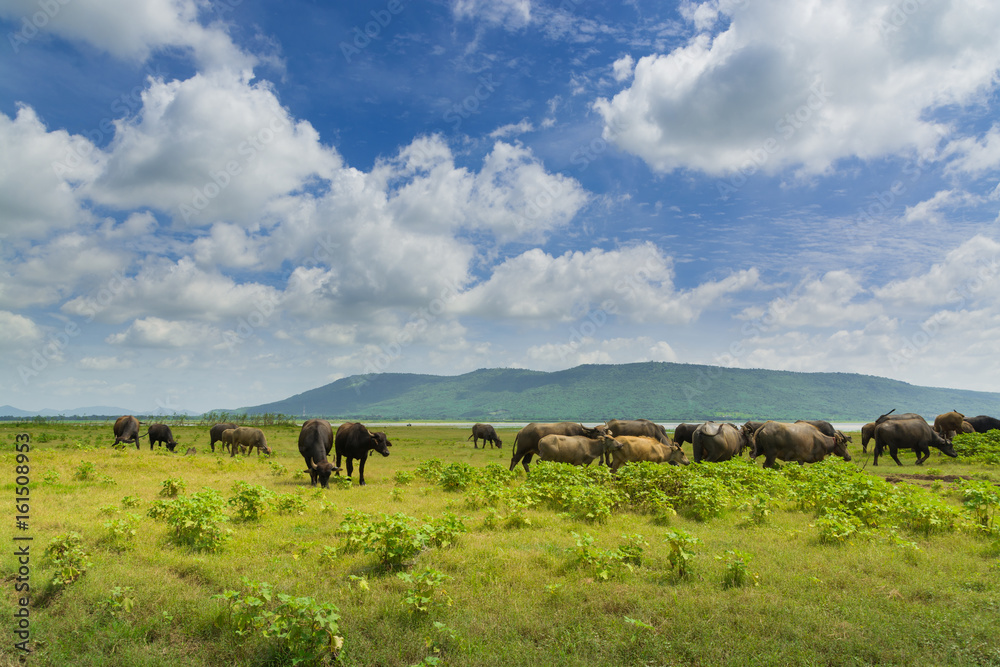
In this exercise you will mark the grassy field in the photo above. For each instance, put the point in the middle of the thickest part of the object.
(825, 566)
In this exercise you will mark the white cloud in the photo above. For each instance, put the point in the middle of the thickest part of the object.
(826, 302)
(511, 14)
(512, 129)
(210, 148)
(132, 29)
(635, 282)
(805, 83)
(41, 173)
(105, 363)
(17, 330)
(157, 332)
(578, 349)
(973, 156)
(177, 291)
(623, 68)
(967, 274)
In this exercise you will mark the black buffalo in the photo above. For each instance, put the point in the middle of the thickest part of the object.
(127, 430)
(684, 433)
(315, 443)
(982, 423)
(215, 434)
(487, 434)
(915, 434)
(160, 433)
(354, 441)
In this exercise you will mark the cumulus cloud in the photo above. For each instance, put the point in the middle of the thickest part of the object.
(157, 332)
(17, 330)
(804, 84)
(634, 282)
(181, 290)
(967, 274)
(41, 174)
(578, 349)
(830, 301)
(133, 29)
(210, 148)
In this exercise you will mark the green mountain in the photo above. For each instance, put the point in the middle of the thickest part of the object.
(658, 391)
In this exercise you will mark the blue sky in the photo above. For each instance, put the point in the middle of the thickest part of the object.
(213, 204)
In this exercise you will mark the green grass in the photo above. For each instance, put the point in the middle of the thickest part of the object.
(518, 595)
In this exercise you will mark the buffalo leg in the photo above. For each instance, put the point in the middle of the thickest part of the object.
(361, 469)
(337, 468)
(350, 465)
(892, 453)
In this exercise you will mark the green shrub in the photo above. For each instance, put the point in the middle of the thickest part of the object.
(982, 499)
(66, 553)
(425, 590)
(307, 632)
(394, 540)
(250, 501)
(737, 570)
(430, 470)
(289, 503)
(172, 487)
(85, 471)
(978, 447)
(679, 554)
(457, 476)
(837, 526)
(121, 532)
(195, 521)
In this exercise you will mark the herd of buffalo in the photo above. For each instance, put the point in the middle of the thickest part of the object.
(614, 443)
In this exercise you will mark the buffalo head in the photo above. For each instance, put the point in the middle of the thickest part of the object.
(943, 444)
(320, 472)
(380, 443)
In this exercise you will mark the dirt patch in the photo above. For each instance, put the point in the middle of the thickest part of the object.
(899, 477)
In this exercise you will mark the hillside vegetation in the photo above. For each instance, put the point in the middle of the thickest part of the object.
(660, 391)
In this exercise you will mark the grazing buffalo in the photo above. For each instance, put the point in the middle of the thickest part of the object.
(315, 443)
(215, 434)
(246, 438)
(127, 430)
(354, 441)
(826, 428)
(526, 440)
(684, 432)
(640, 428)
(948, 424)
(967, 427)
(227, 439)
(889, 416)
(578, 450)
(487, 434)
(984, 423)
(794, 442)
(718, 442)
(161, 433)
(867, 433)
(635, 449)
(913, 434)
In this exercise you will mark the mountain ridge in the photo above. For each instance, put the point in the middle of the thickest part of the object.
(662, 391)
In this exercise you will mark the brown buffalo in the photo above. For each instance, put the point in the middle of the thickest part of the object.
(526, 440)
(913, 434)
(226, 438)
(795, 442)
(127, 430)
(948, 424)
(635, 449)
(578, 450)
(487, 434)
(215, 434)
(867, 433)
(246, 438)
(718, 442)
